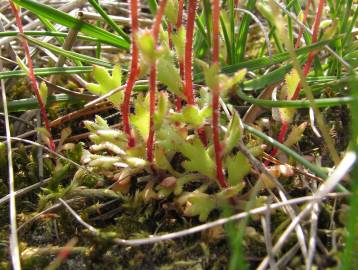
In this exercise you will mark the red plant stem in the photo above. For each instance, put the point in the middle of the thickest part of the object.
(180, 14)
(304, 22)
(181, 60)
(188, 52)
(306, 70)
(152, 82)
(170, 30)
(189, 93)
(133, 73)
(31, 75)
(152, 88)
(215, 101)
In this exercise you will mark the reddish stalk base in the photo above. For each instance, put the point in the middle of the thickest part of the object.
(215, 102)
(31, 75)
(178, 101)
(152, 86)
(133, 73)
(152, 83)
(188, 52)
(216, 139)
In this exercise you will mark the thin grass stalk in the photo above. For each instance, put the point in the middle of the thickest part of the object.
(215, 99)
(152, 82)
(133, 73)
(189, 52)
(31, 74)
(14, 245)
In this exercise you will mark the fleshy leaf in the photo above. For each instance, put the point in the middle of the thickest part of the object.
(238, 167)
(199, 159)
(107, 83)
(234, 133)
(146, 46)
(43, 92)
(98, 124)
(228, 82)
(161, 160)
(287, 114)
(162, 109)
(200, 204)
(192, 115)
(292, 81)
(141, 117)
(295, 135)
(179, 42)
(171, 11)
(212, 77)
(168, 74)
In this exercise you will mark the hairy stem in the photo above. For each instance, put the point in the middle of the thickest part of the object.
(188, 52)
(179, 23)
(132, 73)
(215, 100)
(31, 74)
(152, 82)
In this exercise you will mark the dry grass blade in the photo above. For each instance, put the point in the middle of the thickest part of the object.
(14, 245)
(266, 225)
(79, 219)
(24, 191)
(332, 181)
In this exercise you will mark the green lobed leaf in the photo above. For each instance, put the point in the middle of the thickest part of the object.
(234, 132)
(107, 83)
(72, 22)
(198, 157)
(140, 119)
(169, 75)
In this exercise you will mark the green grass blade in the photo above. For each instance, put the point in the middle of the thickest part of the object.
(231, 5)
(46, 71)
(265, 62)
(70, 54)
(152, 6)
(201, 29)
(71, 22)
(108, 19)
(208, 21)
(227, 40)
(61, 40)
(268, 79)
(322, 102)
(51, 28)
(32, 103)
(243, 32)
(44, 33)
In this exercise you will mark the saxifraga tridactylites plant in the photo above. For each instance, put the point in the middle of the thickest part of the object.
(201, 176)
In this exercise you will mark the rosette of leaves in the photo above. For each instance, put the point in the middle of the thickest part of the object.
(184, 167)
